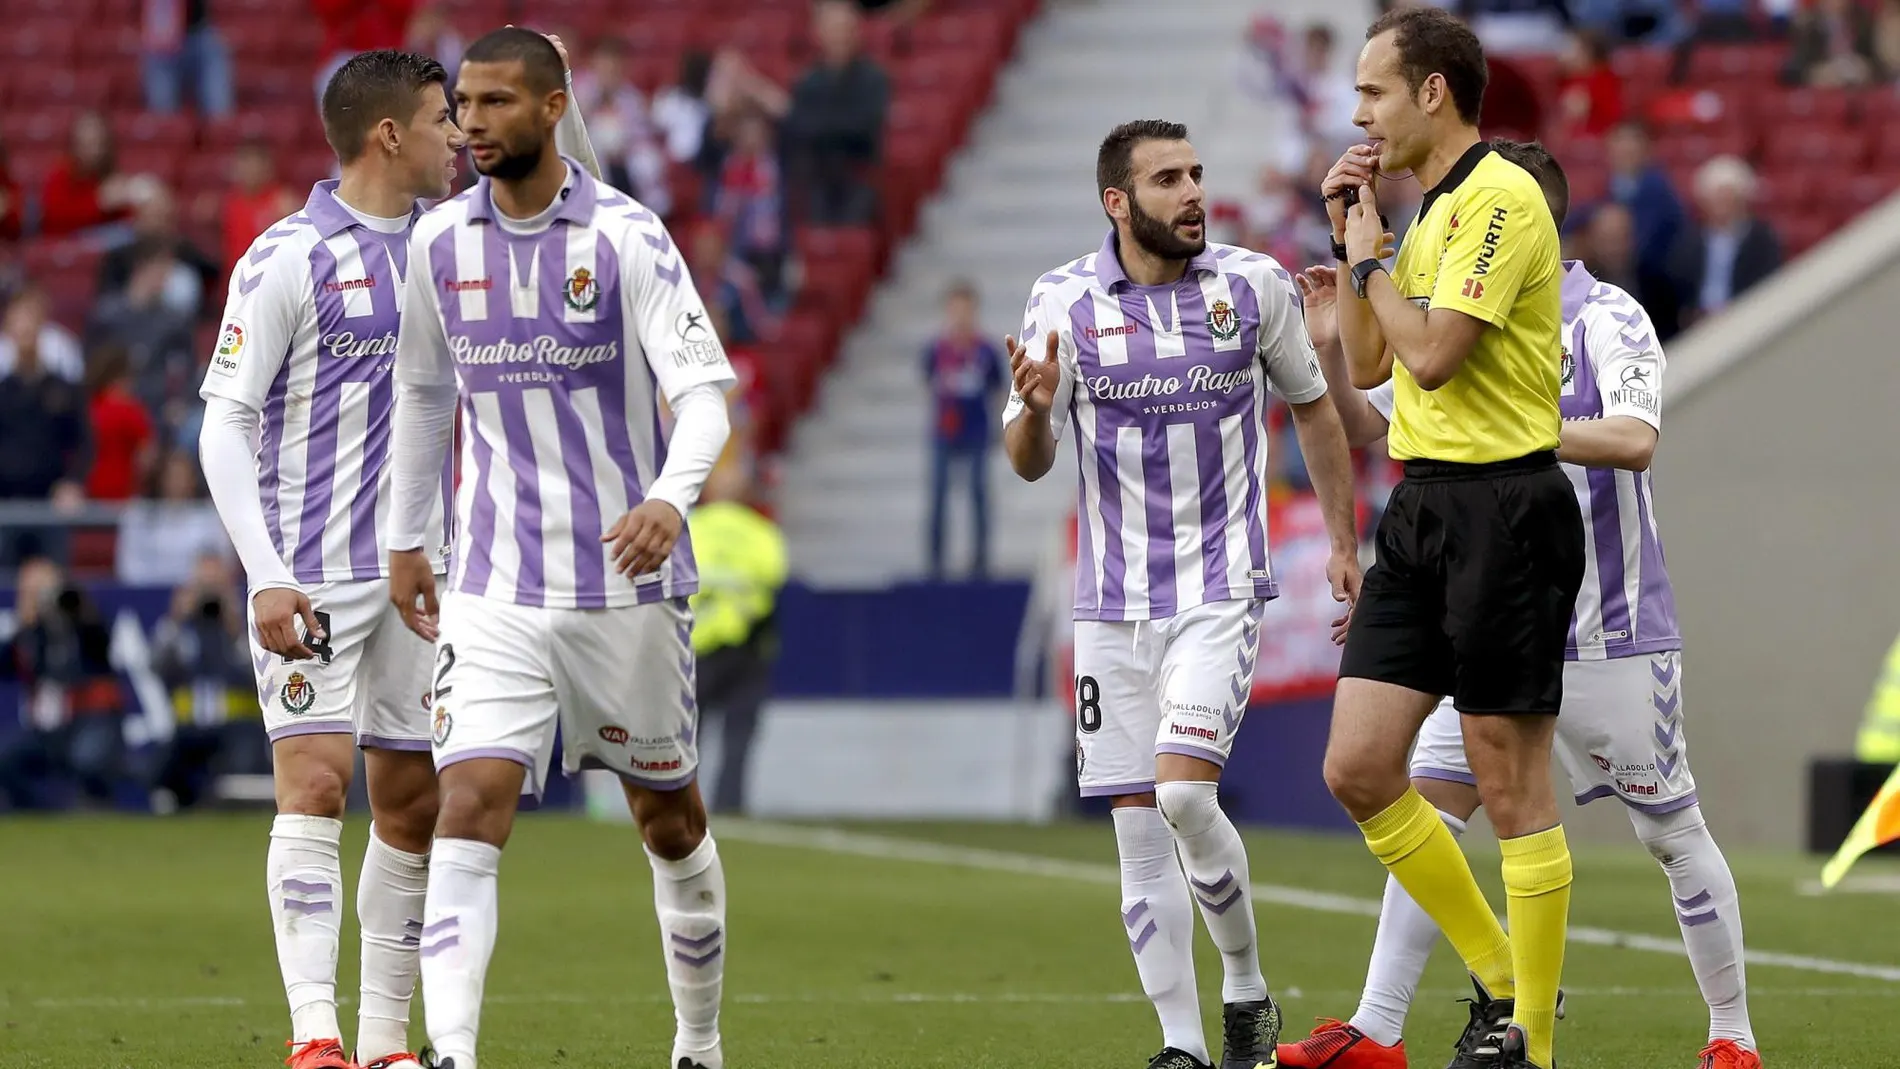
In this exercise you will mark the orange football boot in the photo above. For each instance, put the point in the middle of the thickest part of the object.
(1728, 1054)
(318, 1054)
(1338, 1045)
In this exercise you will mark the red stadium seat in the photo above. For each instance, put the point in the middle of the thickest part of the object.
(1815, 144)
(1806, 108)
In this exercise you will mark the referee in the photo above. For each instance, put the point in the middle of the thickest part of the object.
(1481, 552)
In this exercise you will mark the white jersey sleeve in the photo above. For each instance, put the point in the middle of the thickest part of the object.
(1285, 349)
(1382, 399)
(1625, 355)
(268, 304)
(1036, 328)
(422, 346)
(666, 314)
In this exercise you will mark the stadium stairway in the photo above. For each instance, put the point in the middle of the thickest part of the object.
(1018, 201)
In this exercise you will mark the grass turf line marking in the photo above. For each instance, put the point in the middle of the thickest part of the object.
(896, 998)
(878, 847)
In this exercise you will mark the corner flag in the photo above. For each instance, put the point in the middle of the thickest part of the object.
(1880, 824)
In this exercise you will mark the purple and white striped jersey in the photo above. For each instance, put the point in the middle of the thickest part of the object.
(562, 342)
(309, 340)
(1166, 387)
(1612, 366)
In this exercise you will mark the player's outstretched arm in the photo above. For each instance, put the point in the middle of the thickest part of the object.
(1612, 442)
(1028, 437)
(423, 427)
(1319, 290)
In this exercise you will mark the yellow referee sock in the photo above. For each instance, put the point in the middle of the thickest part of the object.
(1537, 881)
(1413, 842)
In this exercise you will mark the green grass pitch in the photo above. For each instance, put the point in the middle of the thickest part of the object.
(144, 944)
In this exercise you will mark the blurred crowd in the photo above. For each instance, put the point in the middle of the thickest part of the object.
(98, 391)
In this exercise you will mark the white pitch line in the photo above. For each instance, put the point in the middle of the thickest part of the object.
(895, 998)
(832, 840)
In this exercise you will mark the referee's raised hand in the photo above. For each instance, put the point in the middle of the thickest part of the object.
(1354, 170)
(1035, 381)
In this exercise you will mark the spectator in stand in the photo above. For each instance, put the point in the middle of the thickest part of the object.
(45, 444)
(200, 651)
(750, 201)
(162, 535)
(731, 284)
(12, 201)
(121, 429)
(28, 323)
(190, 272)
(965, 370)
(1639, 183)
(62, 657)
(182, 46)
(1886, 41)
(1590, 96)
(431, 34)
(1728, 250)
(1833, 46)
(836, 126)
(85, 189)
(681, 110)
(152, 330)
(625, 139)
(352, 26)
(255, 200)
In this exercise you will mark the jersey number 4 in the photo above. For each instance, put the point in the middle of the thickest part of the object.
(320, 647)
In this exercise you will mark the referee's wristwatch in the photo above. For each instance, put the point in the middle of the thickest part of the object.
(1361, 272)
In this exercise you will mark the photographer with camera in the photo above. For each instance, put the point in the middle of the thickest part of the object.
(198, 650)
(61, 656)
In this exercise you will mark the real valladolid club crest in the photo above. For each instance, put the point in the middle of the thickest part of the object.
(1222, 321)
(582, 291)
(443, 724)
(1569, 366)
(298, 694)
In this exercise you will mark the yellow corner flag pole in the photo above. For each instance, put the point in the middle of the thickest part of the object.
(1880, 824)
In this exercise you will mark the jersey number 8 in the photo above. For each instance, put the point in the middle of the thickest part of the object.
(1088, 704)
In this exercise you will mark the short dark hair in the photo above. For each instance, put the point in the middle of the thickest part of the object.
(371, 87)
(1115, 162)
(961, 287)
(1535, 158)
(1433, 41)
(540, 63)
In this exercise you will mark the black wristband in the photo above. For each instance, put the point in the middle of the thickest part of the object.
(1363, 271)
(1339, 251)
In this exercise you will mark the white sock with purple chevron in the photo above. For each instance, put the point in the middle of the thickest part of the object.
(1216, 864)
(1709, 912)
(458, 937)
(1400, 950)
(690, 897)
(304, 874)
(389, 903)
(1160, 924)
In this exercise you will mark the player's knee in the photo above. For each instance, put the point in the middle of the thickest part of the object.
(1668, 836)
(675, 828)
(312, 788)
(1189, 806)
(1364, 787)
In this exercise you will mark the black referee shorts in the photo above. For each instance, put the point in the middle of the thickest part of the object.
(1474, 586)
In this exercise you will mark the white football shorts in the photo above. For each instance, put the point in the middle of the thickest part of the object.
(1619, 734)
(370, 677)
(1145, 687)
(618, 682)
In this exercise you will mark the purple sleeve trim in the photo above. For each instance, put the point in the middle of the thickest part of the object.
(1445, 774)
(315, 727)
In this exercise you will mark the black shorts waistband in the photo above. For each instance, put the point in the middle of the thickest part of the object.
(1446, 469)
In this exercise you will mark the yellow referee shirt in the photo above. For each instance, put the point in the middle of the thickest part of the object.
(1484, 244)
